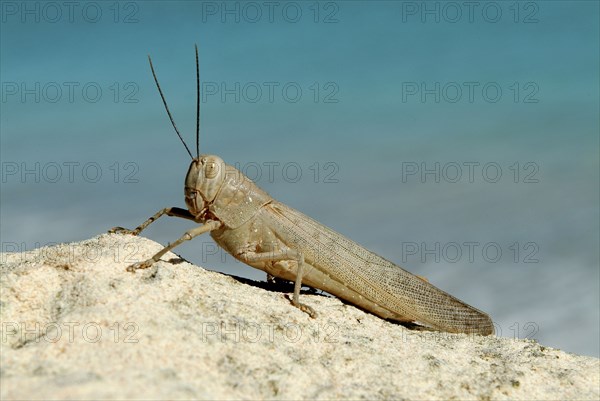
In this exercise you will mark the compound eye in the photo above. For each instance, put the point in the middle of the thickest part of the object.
(211, 170)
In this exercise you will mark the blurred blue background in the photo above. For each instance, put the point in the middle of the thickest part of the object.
(377, 104)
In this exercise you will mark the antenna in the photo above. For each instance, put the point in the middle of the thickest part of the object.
(197, 105)
(167, 108)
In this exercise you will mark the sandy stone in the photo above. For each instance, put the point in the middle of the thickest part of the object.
(76, 325)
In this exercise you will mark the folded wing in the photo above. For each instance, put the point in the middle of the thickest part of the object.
(375, 278)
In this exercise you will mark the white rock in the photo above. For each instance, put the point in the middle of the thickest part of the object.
(76, 325)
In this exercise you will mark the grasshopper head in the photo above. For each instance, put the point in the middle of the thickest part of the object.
(207, 173)
(203, 181)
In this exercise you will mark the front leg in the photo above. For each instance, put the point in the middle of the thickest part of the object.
(169, 211)
(194, 232)
(281, 255)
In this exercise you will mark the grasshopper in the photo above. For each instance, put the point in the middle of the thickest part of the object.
(271, 236)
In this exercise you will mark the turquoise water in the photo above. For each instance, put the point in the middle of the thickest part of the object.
(461, 144)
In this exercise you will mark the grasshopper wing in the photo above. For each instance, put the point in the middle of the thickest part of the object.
(347, 270)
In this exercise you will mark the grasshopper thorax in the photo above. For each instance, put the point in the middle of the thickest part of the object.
(215, 190)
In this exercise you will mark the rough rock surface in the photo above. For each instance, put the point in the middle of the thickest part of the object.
(76, 325)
